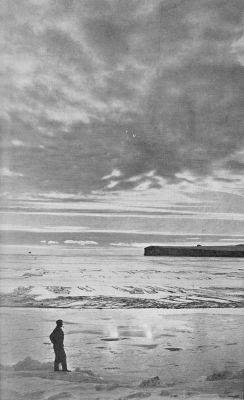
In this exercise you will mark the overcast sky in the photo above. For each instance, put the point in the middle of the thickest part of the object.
(124, 101)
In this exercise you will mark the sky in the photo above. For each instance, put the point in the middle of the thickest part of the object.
(122, 121)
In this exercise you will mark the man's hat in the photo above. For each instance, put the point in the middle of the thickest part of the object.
(59, 322)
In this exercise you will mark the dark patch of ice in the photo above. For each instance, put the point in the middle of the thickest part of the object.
(231, 344)
(59, 289)
(150, 382)
(173, 348)
(164, 393)
(86, 288)
(216, 376)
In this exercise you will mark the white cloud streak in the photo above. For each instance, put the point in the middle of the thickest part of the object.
(81, 242)
(6, 173)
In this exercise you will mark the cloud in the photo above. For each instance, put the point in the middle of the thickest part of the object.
(238, 49)
(17, 143)
(114, 173)
(50, 242)
(5, 172)
(100, 86)
(81, 242)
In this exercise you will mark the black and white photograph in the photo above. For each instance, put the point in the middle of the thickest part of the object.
(122, 199)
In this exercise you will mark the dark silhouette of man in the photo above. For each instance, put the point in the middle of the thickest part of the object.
(57, 339)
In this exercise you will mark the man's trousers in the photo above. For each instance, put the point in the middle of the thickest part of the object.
(60, 358)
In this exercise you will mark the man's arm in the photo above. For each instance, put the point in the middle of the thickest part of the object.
(53, 337)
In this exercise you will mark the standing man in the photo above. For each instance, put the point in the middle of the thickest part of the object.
(57, 339)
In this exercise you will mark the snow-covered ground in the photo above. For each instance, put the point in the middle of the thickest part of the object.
(127, 318)
(119, 280)
(197, 353)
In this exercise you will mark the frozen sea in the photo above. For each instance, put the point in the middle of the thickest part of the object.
(119, 279)
(126, 318)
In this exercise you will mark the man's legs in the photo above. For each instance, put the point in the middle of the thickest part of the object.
(57, 358)
(63, 359)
